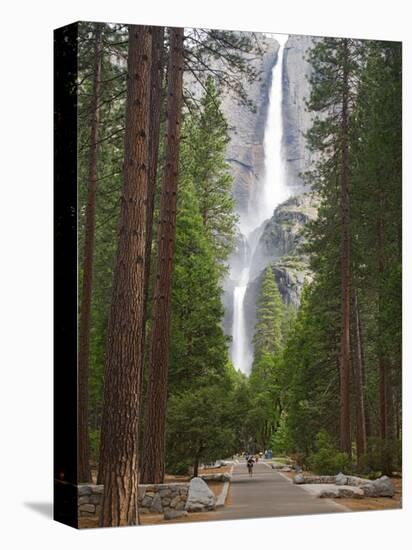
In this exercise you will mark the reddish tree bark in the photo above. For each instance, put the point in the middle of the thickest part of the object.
(359, 383)
(156, 97)
(86, 300)
(345, 439)
(125, 333)
(152, 468)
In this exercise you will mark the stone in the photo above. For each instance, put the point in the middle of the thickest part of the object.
(200, 497)
(84, 500)
(165, 502)
(180, 505)
(341, 479)
(165, 493)
(350, 492)
(369, 489)
(298, 479)
(355, 481)
(174, 501)
(286, 469)
(330, 493)
(84, 490)
(156, 504)
(95, 499)
(147, 502)
(90, 508)
(381, 487)
(385, 487)
(174, 514)
(97, 489)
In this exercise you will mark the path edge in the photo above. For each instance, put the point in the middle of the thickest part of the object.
(221, 499)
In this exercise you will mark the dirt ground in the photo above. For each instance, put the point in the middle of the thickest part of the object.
(382, 503)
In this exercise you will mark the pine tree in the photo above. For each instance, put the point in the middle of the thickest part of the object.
(270, 312)
(335, 66)
(155, 417)
(206, 139)
(89, 239)
(198, 351)
(125, 333)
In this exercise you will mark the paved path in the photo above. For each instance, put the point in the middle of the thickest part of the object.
(268, 494)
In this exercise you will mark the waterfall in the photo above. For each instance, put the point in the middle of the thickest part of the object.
(270, 192)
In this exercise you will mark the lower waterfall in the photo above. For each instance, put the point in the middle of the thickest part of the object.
(270, 192)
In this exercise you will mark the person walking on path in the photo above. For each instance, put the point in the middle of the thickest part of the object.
(250, 462)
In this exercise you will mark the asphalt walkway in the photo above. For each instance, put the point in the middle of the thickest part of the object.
(269, 494)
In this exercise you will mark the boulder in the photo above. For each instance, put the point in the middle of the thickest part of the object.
(200, 497)
(350, 492)
(174, 514)
(298, 479)
(286, 469)
(382, 487)
(355, 481)
(341, 479)
(333, 492)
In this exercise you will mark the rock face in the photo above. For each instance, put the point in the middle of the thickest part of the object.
(245, 152)
(280, 236)
(200, 497)
(296, 119)
(279, 246)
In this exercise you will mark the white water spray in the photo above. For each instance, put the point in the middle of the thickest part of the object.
(270, 192)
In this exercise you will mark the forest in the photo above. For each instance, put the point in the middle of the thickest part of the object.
(157, 391)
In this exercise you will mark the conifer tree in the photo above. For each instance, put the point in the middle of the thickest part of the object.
(270, 312)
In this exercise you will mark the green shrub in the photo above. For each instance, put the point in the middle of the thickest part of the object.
(281, 441)
(327, 460)
(178, 467)
(382, 457)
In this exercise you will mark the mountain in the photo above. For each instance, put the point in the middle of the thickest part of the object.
(280, 246)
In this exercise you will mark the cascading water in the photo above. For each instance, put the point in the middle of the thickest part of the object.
(271, 191)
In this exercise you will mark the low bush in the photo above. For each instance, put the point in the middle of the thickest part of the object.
(327, 460)
(383, 457)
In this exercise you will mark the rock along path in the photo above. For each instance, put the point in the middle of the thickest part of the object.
(269, 494)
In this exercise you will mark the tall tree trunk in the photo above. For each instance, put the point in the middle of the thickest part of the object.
(382, 361)
(152, 470)
(125, 333)
(86, 300)
(345, 439)
(359, 383)
(156, 79)
(196, 467)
